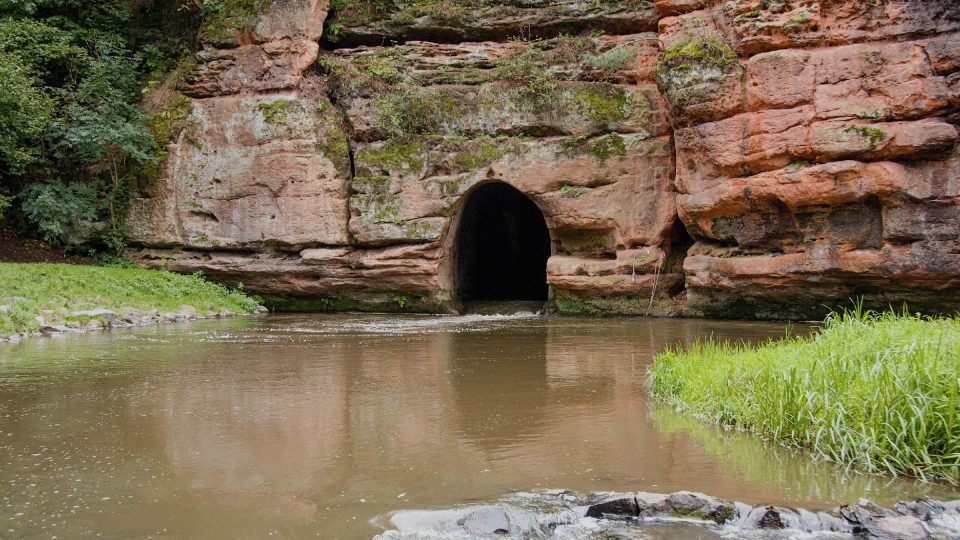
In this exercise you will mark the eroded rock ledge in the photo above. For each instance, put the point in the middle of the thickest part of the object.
(748, 158)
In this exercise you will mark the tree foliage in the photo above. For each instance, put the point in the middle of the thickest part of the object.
(71, 125)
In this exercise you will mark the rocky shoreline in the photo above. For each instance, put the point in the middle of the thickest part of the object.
(100, 319)
(564, 514)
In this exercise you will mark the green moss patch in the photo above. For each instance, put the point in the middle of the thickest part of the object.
(378, 208)
(602, 148)
(607, 105)
(695, 52)
(412, 110)
(872, 134)
(279, 111)
(413, 154)
(393, 156)
(370, 185)
(224, 19)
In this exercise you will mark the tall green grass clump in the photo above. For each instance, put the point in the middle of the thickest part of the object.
(29, 289)
(879, 392)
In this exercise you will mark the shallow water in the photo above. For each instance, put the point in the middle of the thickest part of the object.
(294, 426)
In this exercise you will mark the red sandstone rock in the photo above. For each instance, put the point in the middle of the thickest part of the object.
(821, 166)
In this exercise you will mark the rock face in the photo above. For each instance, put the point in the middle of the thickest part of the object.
(754, 158)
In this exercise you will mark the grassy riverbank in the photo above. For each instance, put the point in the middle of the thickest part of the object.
(878, 392)
(29, 290)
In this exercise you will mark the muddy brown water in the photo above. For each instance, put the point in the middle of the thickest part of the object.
(321, 426)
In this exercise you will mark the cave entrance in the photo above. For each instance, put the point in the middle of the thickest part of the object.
(502, 246)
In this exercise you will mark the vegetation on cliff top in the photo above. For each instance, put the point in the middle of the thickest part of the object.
(878, 392)
(28, 290)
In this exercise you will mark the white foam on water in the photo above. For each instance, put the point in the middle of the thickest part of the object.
(410, 324)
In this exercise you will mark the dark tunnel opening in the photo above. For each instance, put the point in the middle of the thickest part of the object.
(502, 246)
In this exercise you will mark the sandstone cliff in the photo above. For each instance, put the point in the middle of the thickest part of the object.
(747, 158)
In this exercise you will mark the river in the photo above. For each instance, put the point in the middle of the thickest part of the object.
(292, 426)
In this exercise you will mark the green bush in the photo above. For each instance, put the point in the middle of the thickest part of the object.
(5, 203)
(878, 392)
(72, 76)
(52, 206)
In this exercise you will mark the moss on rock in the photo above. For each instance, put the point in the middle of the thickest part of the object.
(279, 111)
(602, 148)
(393, 156)
(872, 134)
(223, 20)
(606, 105)
(695, 52)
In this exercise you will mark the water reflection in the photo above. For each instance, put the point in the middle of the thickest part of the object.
(499, 382)
(296, 426)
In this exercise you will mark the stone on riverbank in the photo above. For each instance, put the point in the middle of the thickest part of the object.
(100, 313)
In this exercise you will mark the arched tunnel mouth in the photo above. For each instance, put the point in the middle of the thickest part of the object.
(502, 246)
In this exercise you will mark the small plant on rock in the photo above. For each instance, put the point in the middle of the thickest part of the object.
(874, 135)
(610, 61)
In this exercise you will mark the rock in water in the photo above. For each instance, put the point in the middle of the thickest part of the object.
(770, 519)
(615, 507)
(699, 506)
(487, 520)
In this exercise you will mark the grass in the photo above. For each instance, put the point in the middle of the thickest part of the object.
(64, 288)
(876, 392)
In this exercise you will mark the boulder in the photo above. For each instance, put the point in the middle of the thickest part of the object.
(130, 314)
(49, 329)
(699, 506)
(619, 506)
(896, 528)
(187, 312)
(769, 518)
(651, 505)
(487, 520)
(117, 323)
(105, 314)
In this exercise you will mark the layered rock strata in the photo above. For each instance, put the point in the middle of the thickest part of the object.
(753, 158)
